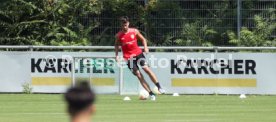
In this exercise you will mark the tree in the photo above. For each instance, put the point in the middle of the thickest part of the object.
(163, 20)
(51, 22)
(259, 36)
(109, 24)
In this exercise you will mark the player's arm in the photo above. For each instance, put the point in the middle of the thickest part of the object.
(117, 48)
(144, 41)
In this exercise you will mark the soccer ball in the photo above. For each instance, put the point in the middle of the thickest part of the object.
(143, 95)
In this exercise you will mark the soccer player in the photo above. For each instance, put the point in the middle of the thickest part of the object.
(127, 39)
(80, 103)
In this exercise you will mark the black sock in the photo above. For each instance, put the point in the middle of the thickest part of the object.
(151, 93)
(158, 85)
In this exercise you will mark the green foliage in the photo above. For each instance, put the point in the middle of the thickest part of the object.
(193, 35)
(161, 30)
(51, 22)
(259, 36)
(27, 88)
(113, 9)
(163, 22)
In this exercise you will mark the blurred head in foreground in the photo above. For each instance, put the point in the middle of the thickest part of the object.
(80, 102)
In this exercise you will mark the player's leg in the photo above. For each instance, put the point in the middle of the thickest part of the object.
(135, 70)
(150, 73)
(153, 78)
(142, 62)
(144, 84)
(141, 78)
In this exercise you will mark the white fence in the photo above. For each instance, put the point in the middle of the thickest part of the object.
(186, 73)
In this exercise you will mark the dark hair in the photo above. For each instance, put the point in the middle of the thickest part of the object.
(79, 97)
(124, 19)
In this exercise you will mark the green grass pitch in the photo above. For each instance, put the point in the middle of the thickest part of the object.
(111, 108)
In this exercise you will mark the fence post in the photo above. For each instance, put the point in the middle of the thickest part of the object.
(239, 5)
(216, 49)
(31, 48)
(121, 75)
(73, 72)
